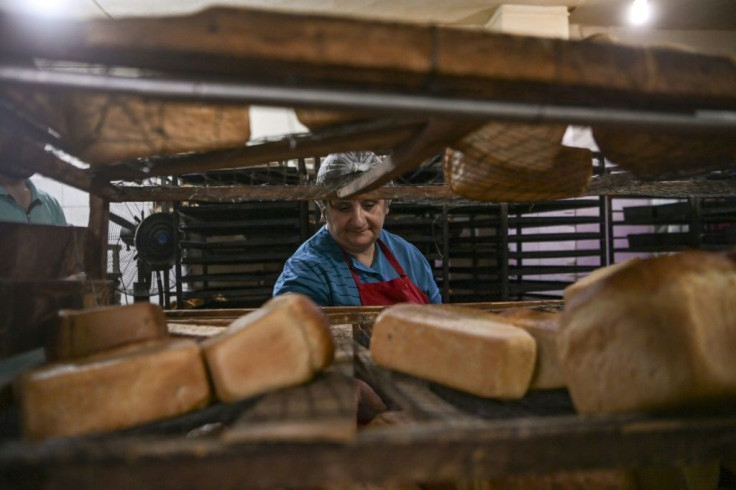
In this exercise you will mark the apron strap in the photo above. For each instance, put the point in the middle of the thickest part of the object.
(391, 259)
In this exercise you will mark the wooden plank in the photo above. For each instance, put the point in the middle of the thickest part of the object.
(376, 136)
(357, 313)
(405, 393)
(274, 47)
(320, 411)
(323, 410)
(245, 193)
(443, 446)
(606, 185)
(626, 185)
(41, 251)
(28, 307)
(427, 452)
(229, 41)
(96, 250)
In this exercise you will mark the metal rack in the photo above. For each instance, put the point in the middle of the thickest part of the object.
(231, 254)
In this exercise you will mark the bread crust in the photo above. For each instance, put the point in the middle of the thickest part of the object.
(657, 334)
(284, 343)
(80, 333)
(121, 388)
(467, 351)
(544, 326)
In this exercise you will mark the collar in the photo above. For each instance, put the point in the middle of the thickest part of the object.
(337, 253)
(31, 187)
(34, 190)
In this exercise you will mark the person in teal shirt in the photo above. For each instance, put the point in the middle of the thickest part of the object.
(22, 202)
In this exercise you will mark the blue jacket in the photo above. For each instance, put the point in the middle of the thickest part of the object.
(318, 270)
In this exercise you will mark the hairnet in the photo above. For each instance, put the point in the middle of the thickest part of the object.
(337, 166)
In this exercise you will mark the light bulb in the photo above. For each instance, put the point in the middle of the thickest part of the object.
(639, 12)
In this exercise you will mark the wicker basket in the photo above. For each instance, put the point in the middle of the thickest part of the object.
(517, 163)
(652, 154)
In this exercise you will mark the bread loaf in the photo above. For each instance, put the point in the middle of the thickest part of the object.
(544, 326)
(467, 351)
(283, 343)
(80, 333)
(659, 333)
(113, 390)
(599, 274)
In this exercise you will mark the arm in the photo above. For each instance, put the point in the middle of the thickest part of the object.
(298, 277)
(432, 291)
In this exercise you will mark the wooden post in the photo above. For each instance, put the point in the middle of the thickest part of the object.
(95, 259)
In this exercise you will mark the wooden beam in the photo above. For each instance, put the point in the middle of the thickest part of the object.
(244, 193)
(352, 314)
(625, 184)
(432, 451)
(433, 138)
(374, 136)
(329, 51)
(607, 185)
(97, 241)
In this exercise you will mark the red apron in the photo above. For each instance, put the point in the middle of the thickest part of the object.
(399, 290)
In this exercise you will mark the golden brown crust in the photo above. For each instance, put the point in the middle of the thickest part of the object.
(544, 326)
(117, 389)
(597, 275)
(657, 334)
(468, 352)
(526, 317)
(283, 343)
(80, 333)
(314, 324)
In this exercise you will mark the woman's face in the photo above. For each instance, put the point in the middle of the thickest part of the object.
(354, 224)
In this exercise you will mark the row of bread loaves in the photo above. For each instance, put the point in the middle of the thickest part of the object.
(116, 367)
(647, 334)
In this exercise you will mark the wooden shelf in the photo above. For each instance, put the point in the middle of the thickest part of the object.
(445, 436)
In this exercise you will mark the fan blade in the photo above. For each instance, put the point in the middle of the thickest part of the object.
(119, 220)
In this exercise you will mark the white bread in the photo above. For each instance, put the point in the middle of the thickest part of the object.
(121, 388)
(80, 333)
(464, 350)
(659, 333)
(544, 326)
(283, 343)
(595, 276)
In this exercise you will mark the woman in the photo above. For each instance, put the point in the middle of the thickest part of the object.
(352, 260)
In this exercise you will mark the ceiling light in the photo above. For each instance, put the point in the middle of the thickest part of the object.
(639, 12)
(45, 7)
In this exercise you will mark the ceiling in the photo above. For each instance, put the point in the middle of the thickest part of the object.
(666, 14)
